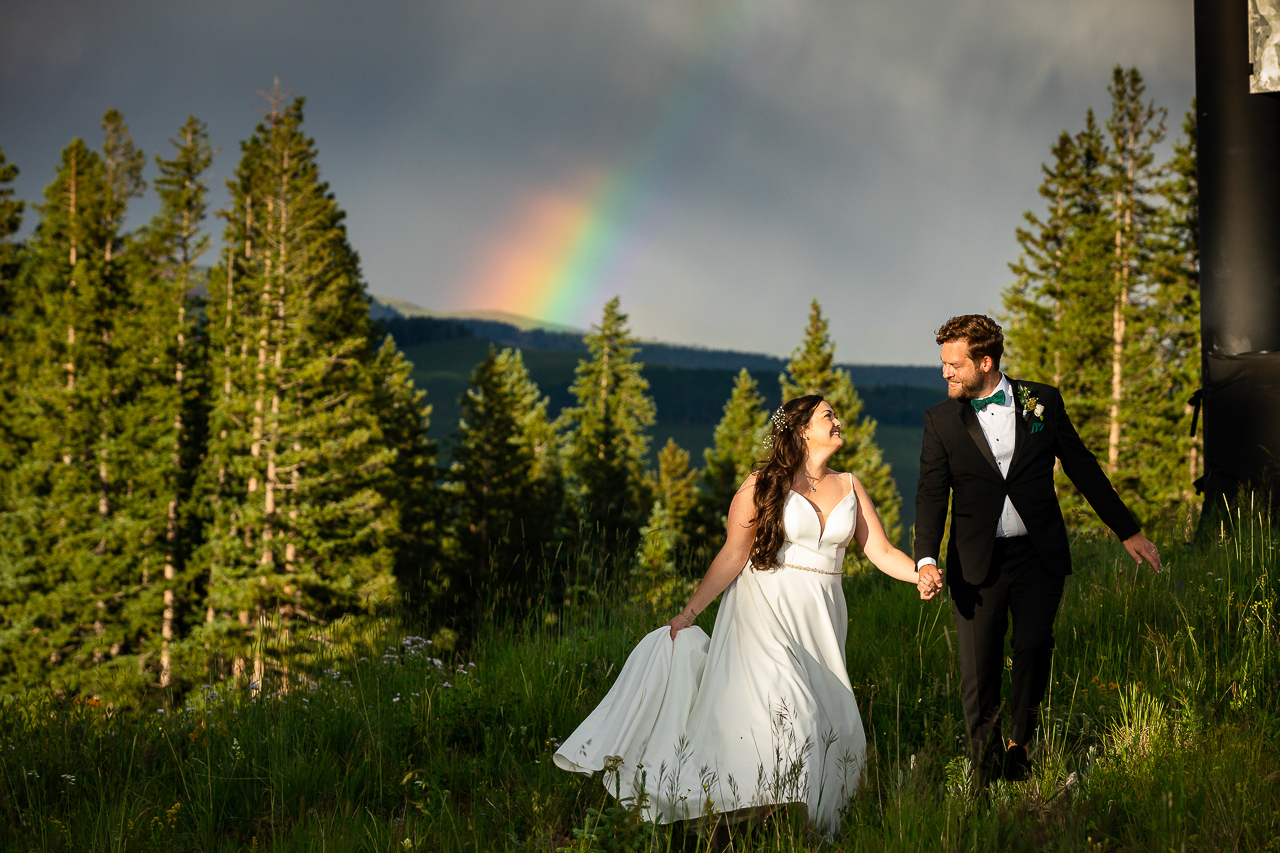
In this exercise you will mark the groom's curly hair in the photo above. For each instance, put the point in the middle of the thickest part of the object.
(984, 335)
(774, 476)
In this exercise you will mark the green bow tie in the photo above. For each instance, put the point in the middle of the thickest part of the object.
(997, 398)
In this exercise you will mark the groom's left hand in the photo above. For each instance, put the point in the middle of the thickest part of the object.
(1141, 548)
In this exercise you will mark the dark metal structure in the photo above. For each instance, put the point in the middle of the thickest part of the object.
(1239, 177)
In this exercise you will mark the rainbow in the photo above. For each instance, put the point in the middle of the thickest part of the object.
(565, 249)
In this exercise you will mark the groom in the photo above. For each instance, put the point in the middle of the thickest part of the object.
(992, 446)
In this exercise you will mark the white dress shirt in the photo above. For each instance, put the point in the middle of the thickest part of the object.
(1000, 428)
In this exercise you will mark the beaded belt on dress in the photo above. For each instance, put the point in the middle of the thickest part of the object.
(812, 569)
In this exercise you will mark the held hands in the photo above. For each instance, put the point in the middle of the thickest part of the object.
(1141, 548)
(929, 582)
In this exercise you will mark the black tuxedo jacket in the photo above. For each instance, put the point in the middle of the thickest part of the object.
(956, 458)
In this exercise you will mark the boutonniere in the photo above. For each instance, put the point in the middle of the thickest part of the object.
(1031, 408)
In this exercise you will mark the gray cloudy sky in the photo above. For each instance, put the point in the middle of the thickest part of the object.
(717, 164)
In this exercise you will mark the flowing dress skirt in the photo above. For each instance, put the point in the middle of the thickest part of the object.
(760, 713)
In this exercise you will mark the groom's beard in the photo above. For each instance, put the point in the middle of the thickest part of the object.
(969, 388)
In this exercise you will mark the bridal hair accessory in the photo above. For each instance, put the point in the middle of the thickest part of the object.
(779, 424)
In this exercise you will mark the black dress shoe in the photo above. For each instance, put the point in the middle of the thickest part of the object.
(1017, 764)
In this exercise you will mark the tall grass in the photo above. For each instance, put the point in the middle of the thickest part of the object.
(1161, 731)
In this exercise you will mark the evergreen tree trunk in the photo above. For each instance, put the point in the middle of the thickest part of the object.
(166, 252)
(1117, 333)
(1135, 128)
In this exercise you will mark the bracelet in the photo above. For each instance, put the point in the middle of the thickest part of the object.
(688, 618)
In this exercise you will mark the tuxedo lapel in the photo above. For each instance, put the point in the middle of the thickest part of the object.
(970, 421)
(1021, 432)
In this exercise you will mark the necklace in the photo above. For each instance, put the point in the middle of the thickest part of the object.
(813, 481)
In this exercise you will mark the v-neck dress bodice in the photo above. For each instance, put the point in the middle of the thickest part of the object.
(761, 712)
(811, 544)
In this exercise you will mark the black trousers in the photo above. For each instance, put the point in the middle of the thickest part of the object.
(1018, 585)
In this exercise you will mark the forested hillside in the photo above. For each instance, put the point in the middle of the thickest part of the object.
(418, 324)
(688, 399)
(209, 455)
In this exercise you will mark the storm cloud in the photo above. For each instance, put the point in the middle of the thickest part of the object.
(876, 156)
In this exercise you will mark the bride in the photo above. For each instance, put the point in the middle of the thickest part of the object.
(762, 712)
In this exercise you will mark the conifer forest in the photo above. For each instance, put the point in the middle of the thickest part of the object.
(234, 564)
(209, 453)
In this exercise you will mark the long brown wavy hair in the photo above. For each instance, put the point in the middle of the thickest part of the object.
(774, 476)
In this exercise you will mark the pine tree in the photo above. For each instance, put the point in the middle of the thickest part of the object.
(1034, 303)
(1054, 331)
(417, 541)
(504, 485)
(10, 221)
(1170, 457)
(664, 540)
(674, 481)
(605, 442)
(1084, 337)
(1051, 309)
(11, 210)
(737, 446)
(655, 577)
(299, 474)
(1180, 290)
(123, 163)
(812, 370)
(166, 421)
(1135, 128)
(68, 548)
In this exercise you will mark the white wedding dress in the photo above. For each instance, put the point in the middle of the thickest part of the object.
(760, 713)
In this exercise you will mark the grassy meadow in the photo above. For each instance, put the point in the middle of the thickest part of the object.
(1162, 732)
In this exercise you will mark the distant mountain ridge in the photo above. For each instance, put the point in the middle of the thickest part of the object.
(408, 322)
(388, 307)
(688, 384)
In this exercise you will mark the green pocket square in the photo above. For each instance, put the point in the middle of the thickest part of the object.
(1035, 428)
